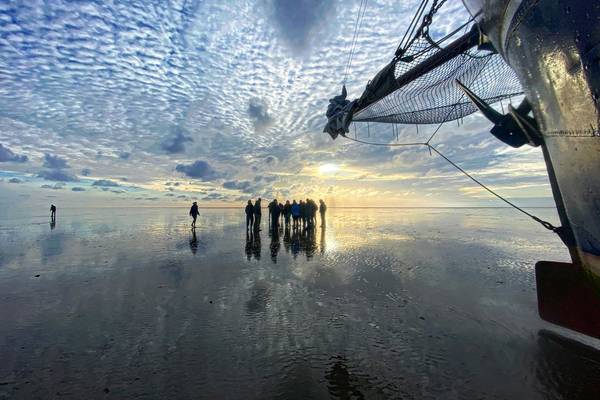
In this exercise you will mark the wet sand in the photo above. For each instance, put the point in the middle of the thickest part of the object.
(404, 303)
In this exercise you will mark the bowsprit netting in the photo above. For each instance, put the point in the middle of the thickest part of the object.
(421, 83)
(435, 97)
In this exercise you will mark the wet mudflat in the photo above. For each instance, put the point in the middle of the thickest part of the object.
(404, 303)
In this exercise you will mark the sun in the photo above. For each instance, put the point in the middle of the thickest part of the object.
(327, 169)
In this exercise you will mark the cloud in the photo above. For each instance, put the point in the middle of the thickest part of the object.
(199, 169)
(215, 196)
(237, 185)
(54, 162)
(78, 189)
(258, 111)
(6, 155)
(56, 186)
(124, 155)
(105, 183)
(86, 172)
(271, 160)
(299, 20)
(57, 175)
(15, 180)
(176, 143)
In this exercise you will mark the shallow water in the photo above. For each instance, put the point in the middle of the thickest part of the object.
(383, 303)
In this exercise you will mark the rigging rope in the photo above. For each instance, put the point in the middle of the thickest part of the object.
(428, 144)
(357, 25)
(545, 224)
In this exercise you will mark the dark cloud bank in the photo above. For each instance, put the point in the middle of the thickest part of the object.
(199, 170)
(7, 155)
(176, 143)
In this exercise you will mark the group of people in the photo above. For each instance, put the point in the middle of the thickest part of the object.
(302, 213)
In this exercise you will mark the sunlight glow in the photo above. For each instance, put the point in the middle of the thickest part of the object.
(328, 169)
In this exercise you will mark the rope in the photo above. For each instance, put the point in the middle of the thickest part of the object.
(357, 25)
(545, 224)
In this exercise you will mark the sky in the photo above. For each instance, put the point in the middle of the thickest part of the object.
(109, 103)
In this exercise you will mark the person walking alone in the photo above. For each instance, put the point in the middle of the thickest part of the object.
(249, 215)
(194, 214)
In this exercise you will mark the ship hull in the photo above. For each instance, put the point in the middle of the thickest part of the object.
(554, 47)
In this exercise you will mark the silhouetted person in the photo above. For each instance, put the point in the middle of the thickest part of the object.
(194, 213)
(194, 242)
(287, 212)
(322, 210)
(303, 213)
(275, 212)
(257, 213)
(295, 213)
(271, 206)
(281, 213)
(313, 212)
(249, 215)
(309, 211)
(52, 211)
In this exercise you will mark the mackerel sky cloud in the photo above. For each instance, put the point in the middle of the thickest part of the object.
(224, 98)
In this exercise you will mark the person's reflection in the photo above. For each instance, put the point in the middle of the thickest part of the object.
(308, 242)
(342, 384)
(256, 245)
(322, 244)
(295, 242)
(287, 238)
(194, 242)
(275, 245)
(52, 224)
(249, 244)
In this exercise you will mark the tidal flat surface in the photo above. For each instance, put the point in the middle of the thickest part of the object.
(383, 303)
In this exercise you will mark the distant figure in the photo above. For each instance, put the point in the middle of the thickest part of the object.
(257, 214)
(52, 211)
(287, 212)
(194, 213)
(249, 215)
(322, 209)
(295, 213)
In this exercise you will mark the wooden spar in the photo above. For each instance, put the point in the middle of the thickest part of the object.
(386, 83)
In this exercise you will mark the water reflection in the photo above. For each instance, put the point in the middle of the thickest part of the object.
(194, 242)
(295, 240)
(341, 383)
(275, 245)
(563, 364)
(137, 294)
(52, 224)
(304, 241)
(253, 245)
